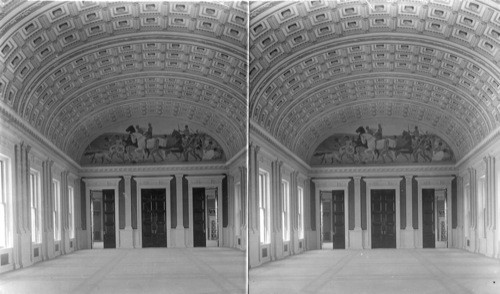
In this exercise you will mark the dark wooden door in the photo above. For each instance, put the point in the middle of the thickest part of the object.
(326, 220)
(338, 220)
(428, 225)
(199, 231)
(383, 218)
(154, 218)
(109, 234)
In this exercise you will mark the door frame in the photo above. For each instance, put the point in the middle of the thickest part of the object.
(434, 183)
(205, 182)
(382, 184)
(152, 183)
(332, 185)
(102, 184)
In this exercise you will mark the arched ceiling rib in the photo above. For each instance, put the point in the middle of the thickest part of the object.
(72, 68)
(317, 66)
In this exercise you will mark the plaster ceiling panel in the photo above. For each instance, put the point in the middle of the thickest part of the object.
(437, 60)
(62, 63)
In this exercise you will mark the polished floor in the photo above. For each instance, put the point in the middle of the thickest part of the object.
(191, 270)
(379, 271)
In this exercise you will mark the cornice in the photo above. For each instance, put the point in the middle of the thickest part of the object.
(374, 171)
(150, 170)
(331, 183)
(259, 132)
(13, 119)
(480, 148)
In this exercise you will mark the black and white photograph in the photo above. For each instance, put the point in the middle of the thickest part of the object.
(253, 147)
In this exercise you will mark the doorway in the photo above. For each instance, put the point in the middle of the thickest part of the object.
(332, 220)
(434, 218)
(205, 217)
(102, 207)
(154, 218)
(383, 218)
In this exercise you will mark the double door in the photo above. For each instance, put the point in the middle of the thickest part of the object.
(154, 218)
(434, 220)
(103, 223)
(333, 222)
(109, 225)
(205, 217)
(383, 218)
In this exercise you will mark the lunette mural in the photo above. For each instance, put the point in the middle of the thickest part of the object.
(372, 146)
(140, 145)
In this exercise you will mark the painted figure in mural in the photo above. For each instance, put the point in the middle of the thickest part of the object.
(378, 134)
(416, 132)
(404, 145)
(117, 149)
(186, 131)
(149, 132)
(374, 146)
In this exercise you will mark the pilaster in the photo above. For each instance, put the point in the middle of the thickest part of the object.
(22, 204)
(409, 232)
(179, 236)
(254, 248)
(127, 234)
(356, 235)
(64, 244)
(47, 210)
(276, 211)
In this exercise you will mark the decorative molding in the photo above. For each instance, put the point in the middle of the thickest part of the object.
(483, 146)
(383, 182)
(15, 120)
(153, 181)
(383, 170)
(257, 131)
(434, 181)
(331, 183)
(154, 169)
(101, 182)
(206, 181)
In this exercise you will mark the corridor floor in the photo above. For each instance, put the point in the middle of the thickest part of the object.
(379, 271)
(190, 270)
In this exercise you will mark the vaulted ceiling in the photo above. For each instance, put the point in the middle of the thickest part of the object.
(73, 69)
(320, 66)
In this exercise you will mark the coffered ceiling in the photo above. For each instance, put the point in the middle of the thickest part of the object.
(72, 69)
(320, 66)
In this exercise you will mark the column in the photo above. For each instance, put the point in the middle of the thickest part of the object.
(409, 233)
(127, 234)
(490, 206)
(22, 207)
(356, 235)
(294, 236)
(474, 242)
(243, 203)
(47, 209)
(460, 213)
(276, 211)
(228, 236)
(64, 244)
(254, 255)
(179, 237)
(309, 235)
(78, 214)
